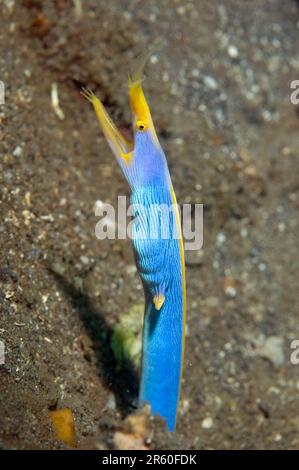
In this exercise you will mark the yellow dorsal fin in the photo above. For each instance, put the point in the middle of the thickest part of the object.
(158, 301)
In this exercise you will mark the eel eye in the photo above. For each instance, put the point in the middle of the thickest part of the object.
(141, 125)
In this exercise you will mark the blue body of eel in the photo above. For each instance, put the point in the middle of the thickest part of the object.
(159, 254)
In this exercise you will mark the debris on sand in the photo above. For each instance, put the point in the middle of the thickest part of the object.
(270, 348)
(55, 101)
(135, 433)
(63, 423)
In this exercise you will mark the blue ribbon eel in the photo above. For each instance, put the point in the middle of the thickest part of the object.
(159, 255)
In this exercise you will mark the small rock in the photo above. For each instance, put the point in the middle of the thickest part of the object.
(9, 5)
(231, 291)
(7, 176)
(111, 402)
(229, 286)
(184, 407)
(195, 73)
(281, 227)
(244, 232)
(135, 432)
(233, 51)
(131, 270)
(27, 198)
(79, 284)
(262, 267)
(210, 82)
(250, 170)
(181, 10)
(47, 218)
(28, 216)
(17, 151)
(84, 259)
(286, 151)
(58, 268)
(207, 423)
(221, 238)
(272, 349)
(154, 59)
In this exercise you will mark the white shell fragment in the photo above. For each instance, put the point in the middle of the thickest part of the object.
(55, 101)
